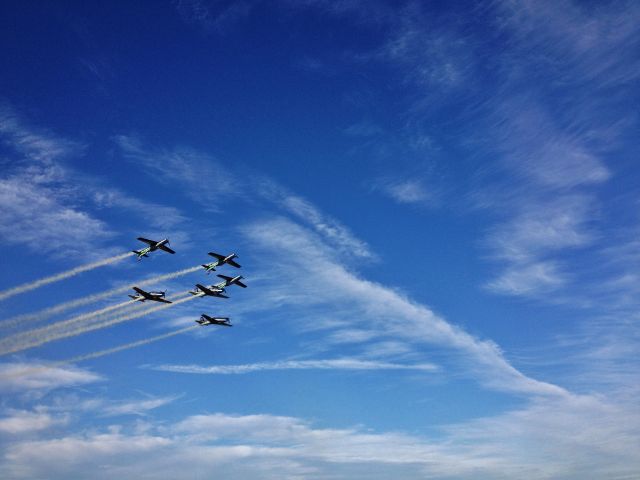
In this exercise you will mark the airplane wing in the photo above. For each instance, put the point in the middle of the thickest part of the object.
(217, 255)
(141, 292)
(166, 249)
(240, 284)
(159, 299)
(146, 240)
(233, 263)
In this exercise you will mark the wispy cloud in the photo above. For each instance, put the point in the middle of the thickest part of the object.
(212, 17)
(598, 40)
(536, 441)
(409, 191)
(159, 216)
(329, 228)
(361, 302)
(324, 364)
(202, 176)
(41, 377)
(211, 184)
(136, 407)
(429, 56)
(530, 244)
(23, 421)
(544, 196)
(35, 215)
(47, 206)
(536, 148)
(35, 144)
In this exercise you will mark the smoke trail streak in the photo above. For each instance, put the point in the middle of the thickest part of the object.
(35, 342)
(49, 312)
(100, 353)
(127, 346)
(40, 332)
(25, 287)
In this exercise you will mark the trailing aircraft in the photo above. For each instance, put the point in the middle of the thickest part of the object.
(153, 246)
(221, 260)
(218, 289)
(207, 320)
(142, 296)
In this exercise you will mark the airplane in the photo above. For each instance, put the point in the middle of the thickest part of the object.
(207, 320)
(142, 296)
(218, 289)
(153, 246)
(211, 291)
(221, 260)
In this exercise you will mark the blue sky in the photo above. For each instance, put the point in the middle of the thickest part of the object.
(435, 206)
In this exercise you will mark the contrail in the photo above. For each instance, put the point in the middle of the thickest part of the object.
(49, 312)
(42, 331)
(35, 342)
(127, 346)
(102, 353)
(25, 287)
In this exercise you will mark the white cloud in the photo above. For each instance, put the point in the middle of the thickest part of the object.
(37, 206)
(599, 40)
(528, 242)
(535, 148)
(543, 198)
(323, 364)
(305, 266)
(35, 144)
(23, 376)
(136, 407)
(408, 191)
(35, 215)
(544, 226)
(528, 278)
(211, 17)
(201, 176)
(329, 228)
(22, 421)
(159, 216)
(430, 55)
(568, 438)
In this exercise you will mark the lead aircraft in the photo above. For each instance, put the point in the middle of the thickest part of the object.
(153, 246)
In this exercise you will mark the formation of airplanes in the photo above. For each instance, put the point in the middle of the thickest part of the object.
(216, 290)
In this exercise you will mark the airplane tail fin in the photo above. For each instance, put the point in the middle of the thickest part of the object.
(140, 254)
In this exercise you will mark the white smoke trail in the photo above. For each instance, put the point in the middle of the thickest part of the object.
(100, 353)
(43, 331)
(127, 346)
(25, 287)
(35, 341)
(63, 307)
